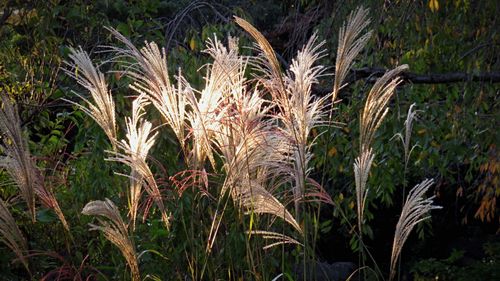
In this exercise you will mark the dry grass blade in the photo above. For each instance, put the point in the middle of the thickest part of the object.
(115, 230)
(10, 234)
(414, 211)
(375, 107)
(362, 166)
(19, 164)
(282, 239)
(139, 141)
(103, 108)
(265, 47)
(350, 45)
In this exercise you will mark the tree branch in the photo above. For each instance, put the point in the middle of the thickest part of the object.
(5, 16)
(370, 74)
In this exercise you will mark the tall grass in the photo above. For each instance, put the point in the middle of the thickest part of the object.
(149, 72)
(20, 165)
(115, 230)
(351, 43)
(102, 110)
(254, 134)
(135, 148)
(371, 118)
(414, 211)
(11, 235)
(17, 161)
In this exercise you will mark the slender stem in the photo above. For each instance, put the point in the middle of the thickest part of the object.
(402, 204)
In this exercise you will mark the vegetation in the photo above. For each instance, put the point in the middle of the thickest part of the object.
(227, 140)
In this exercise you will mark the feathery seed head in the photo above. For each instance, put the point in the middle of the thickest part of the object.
(11, 235)
(350, 44)
(115, 230)
(102, 109)
(414, 211)
(376, 103)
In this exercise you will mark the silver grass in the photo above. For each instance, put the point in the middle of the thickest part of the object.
(245, 139)
(301, 111)
(48, 200)
(304, 111)
(272, 66)
(20, 165)
(226, 73)
(102, 109)
(376, 103)
(221, 81)
(410, 117)
(256, 199)
(139, 140)
(371, 117)
(17, 160)
(362, 166)
(350, 44)
(115, 230)
(11, 236)
(281, 238)
(151, 77)
(414, 211)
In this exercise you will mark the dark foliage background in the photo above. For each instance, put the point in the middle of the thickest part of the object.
(457, 132)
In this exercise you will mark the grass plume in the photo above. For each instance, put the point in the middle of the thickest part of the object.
(372, 115)
(281, 239)
(301, 111)
(273, 68)
(414, 211)
(362, 166)
(376, 103)
(151, 78)
(224, 78)
(245, 139)
(140, 139)
(11, 236)
(115, 230)
(21, 166)
(410, 117)
(102, 110)
(17, 160)
(350, 44)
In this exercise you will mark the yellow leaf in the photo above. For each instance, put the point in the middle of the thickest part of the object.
(192, 44)
(351, 205)
(434, 5)
(332, 152)
(435, 144)
(341, 197)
